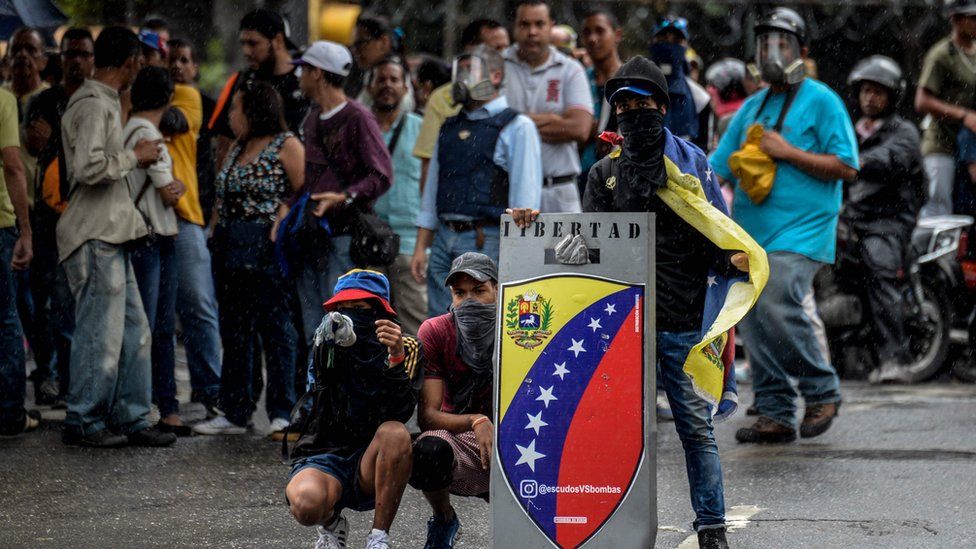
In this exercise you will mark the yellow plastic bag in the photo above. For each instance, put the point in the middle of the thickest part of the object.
(754, 169)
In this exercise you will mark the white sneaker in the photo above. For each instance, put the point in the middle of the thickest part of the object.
(333, 536)
(219, 425)
(278, 425)
(378, 539)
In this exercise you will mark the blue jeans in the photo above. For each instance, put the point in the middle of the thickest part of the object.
(53, 314)
(154, 263)
(693, 422)
(13, 373)
(110, 355)
(196, 305)
(315, 287)
(256, 302)
(447, 246)
(785, 338)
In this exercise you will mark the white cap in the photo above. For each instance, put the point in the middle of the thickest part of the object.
(328, 56)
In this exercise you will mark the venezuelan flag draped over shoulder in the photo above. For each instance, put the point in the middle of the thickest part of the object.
(693, 193)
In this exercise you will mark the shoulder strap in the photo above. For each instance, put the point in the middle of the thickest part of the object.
(225, 96)
(790, 96)
(148, 181)
(396, 134)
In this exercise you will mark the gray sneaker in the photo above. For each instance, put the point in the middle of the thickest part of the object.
(219, 425)
(378, 539)
(333, 536)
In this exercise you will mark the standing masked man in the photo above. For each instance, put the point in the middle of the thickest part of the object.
(700, 255)
(883, 205)
(792, 145)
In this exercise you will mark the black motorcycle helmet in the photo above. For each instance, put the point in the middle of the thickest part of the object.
(880, 70)
(727, 75)
(639, 73)
(959, 7)
(783, 20)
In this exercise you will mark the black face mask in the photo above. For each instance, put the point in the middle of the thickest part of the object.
(475, 324)
(367, 351)
(642, 161)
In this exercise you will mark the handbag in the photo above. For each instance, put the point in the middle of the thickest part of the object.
(754, 169)
(374, 244)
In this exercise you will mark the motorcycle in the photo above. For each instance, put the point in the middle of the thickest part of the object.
(933, 276)
(964, 331)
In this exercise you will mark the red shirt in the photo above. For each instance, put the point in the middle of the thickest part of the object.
(438, 337)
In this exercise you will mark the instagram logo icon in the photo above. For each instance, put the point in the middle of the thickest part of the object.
(529, 488)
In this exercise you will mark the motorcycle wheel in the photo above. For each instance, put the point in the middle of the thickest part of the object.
(928, 335)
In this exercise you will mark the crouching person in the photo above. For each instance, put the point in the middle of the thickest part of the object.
(453, 454)
(363, 381)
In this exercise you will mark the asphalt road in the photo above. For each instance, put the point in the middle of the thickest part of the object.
(896, 470)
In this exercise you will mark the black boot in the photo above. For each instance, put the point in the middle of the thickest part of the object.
(712, 538)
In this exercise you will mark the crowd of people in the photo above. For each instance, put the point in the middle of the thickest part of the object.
(328, 227)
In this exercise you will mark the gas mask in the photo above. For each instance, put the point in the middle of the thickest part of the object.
(778, 57)
(471, 80)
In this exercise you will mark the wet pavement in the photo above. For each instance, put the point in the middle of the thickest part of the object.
(896, 470)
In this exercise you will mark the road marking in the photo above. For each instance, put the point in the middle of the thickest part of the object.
(736, 518)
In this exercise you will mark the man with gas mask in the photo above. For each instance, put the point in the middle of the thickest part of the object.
(883, 204)
(787, 150)
(651, 170)
(487, 159)
(354, 450)
(453, 454)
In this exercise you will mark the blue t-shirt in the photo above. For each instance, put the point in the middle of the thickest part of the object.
(800, 213)
(400, 204)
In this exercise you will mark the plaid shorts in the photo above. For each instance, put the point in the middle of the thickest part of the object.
(469, 479)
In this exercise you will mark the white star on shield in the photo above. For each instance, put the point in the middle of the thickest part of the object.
(528, 455)
(577, 348)
(535, 422)
(546, 395)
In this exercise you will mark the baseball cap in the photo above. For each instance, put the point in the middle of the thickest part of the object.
(478, 266)
(153, 40)
(631, 89)
(672, 23)
(361, 284)
(328, 56)
(268, 23)
(641, 76)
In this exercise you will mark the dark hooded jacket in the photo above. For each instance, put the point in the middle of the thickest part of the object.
(684, 256)
(350, 401)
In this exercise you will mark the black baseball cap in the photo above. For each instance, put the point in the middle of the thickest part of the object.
(478, 266)
(641, 76)
(269, 24)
